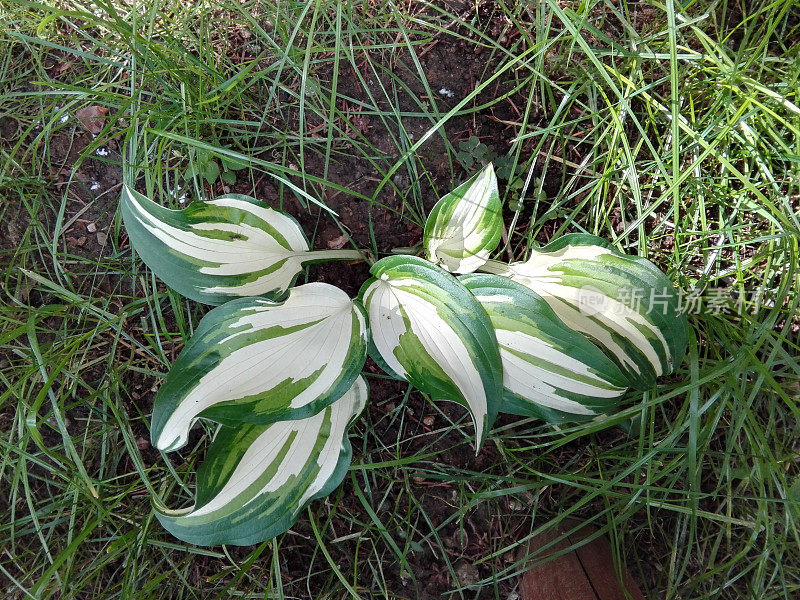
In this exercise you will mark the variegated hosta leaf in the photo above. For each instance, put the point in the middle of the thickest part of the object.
(222, 249)
(256, 361)
(624, 303)
(549, 371)
(257, 479)
(431, 331)
(465, 225)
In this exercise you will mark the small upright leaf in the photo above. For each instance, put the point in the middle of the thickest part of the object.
(256, 361)
(465, 225)
(228, 177)
(549, 371)
(623, 303)
(428, 329)
(211, 171)
(257, 479)
(221, 249)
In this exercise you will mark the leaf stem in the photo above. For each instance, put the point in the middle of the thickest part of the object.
(496, 267)
(326, 255)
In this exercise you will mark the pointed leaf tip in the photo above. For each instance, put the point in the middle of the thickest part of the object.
(256, 361)
(257, 479)
(623, 303)
(217, 250)
(427, 328)
(549, 371)
(465, 226)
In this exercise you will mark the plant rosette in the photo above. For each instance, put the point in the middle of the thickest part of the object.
(278, 368)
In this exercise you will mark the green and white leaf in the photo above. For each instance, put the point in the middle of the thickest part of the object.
(549, 371)
(257, 479)
(256, 361)
(221, 249)
(428, 329)
(623, 303)
(465, 225)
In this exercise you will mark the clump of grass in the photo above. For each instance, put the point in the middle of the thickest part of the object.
(673, 131)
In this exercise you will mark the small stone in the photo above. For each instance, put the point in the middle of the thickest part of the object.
(428, 421)
(102, 238)
(467, 574)
(91, 228)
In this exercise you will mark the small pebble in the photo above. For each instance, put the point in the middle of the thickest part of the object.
(91, 227)
(467, 574)
(102, 238)
(447, 93)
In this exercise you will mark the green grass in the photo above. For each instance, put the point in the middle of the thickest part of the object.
(671, 129)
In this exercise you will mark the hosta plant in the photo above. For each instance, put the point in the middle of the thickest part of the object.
(278, 368)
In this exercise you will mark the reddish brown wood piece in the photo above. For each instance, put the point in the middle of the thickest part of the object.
(586, 573)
